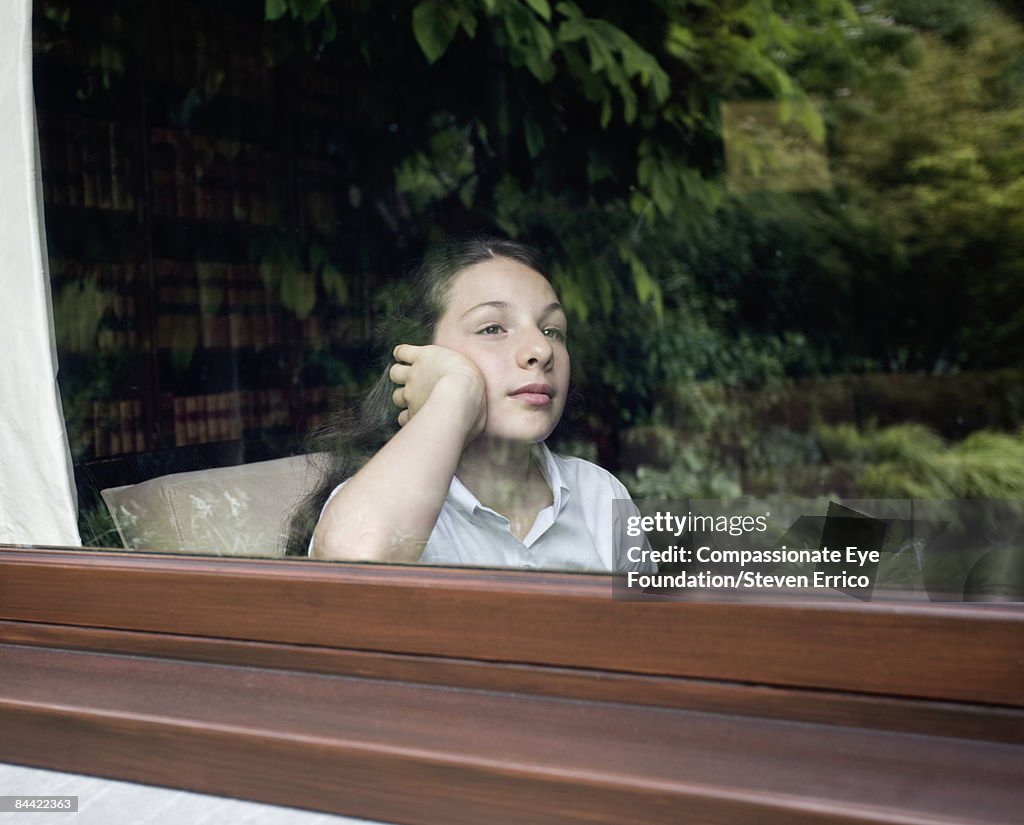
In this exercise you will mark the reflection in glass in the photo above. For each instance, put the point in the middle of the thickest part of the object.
(790, 250)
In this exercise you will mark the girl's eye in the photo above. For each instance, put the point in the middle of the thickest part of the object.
(555, 333)
(492, 329)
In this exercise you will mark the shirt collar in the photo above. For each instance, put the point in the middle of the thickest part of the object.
(552, 472)
(460, 496)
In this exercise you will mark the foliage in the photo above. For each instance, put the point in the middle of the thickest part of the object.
(684, 470)
(97, 529)
(935, 170)
(596, 131)
(837, 460)
(913, 259)
(910, 461)
(516, 111)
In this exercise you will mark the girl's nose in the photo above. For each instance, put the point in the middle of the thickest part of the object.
(536, 351)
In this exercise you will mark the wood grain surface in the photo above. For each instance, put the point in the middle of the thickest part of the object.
(454, 696)
(956, 652)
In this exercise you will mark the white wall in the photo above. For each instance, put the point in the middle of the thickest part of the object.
(37, 494)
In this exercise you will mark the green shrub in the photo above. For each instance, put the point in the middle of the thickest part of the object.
(911, 461)
(684, 471)
(96, 528)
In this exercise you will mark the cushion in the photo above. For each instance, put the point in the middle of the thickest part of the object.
(228, 511)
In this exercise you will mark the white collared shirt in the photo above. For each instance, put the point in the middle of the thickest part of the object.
(577, 531)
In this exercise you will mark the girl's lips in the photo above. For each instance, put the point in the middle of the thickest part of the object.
(537, 399)
(537, 395)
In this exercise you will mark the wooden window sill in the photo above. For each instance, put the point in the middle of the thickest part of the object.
(430, 695)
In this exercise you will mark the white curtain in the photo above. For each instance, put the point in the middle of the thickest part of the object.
(37, 492)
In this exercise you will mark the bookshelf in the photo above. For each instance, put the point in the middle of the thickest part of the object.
(203, 289)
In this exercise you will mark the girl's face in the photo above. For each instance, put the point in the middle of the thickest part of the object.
(506, 319)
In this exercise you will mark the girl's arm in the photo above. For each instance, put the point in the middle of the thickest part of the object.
(387, 511)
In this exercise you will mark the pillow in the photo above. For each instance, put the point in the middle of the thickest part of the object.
(229, 511)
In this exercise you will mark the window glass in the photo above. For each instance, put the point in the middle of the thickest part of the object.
(788, 238)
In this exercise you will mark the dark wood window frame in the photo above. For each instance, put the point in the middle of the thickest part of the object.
(435, 695)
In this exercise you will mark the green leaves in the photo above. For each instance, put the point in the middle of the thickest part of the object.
(435, 22)
(667, 180)
(613, 109)
(657, 92)
(534, 136)
(541, 7)
(647, 289)
(335, 284)
(305, 11)
(274, 9)
(433, 29)
(442, 168)
(298, 277)
(298, 293)
(614, 59)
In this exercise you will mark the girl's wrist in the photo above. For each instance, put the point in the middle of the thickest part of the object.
(462, 397)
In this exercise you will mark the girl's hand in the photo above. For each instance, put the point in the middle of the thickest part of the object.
(438, 372)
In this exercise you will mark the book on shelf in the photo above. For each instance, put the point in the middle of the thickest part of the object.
(138, 412)
(239, 324)
(184, 176)
(212, 280)
(279, 412)
(239, 185)
(177, 323)
(230, 416)
(119, 312)
(251, 169)
(224, 180)
(215, 305)
(122, 168)
(191, 419)
(217, 426)
(93, 305)
(112, 427)
(86, 161)
(180, 422)
(202, 414)
(227, 416)
(247, 415)
(117, 427)
(125, 275)
(316, 184)
(270, 277)
(214, 178)
(103, 308)
(246, 307)
(254, 304)
(171, 172)
(128, 424)
(99, 136)
(163, 153)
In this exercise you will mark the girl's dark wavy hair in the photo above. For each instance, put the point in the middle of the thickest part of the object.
(353, 435)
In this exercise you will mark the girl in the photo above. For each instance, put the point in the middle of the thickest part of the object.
(478, 383)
